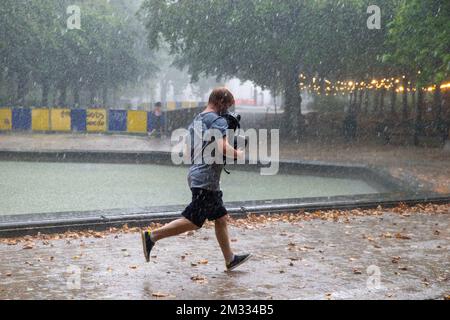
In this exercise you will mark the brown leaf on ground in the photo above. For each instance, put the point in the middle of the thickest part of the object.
(357, 271)
(162, 295)
(396, 259)
(133, 267)
(29, 245)
(402, 236)
(199, 279)
(203, 261)
(11, 242)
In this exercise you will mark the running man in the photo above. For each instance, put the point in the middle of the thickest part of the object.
(204, 182)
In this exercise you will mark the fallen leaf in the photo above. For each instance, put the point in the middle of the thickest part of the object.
(161, 295)
(356, 271)
(199, 279)
(395, 259)
(28, 245)
(402, 236)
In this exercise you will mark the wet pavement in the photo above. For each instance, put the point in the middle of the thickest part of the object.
(81, 142)
(390, 256)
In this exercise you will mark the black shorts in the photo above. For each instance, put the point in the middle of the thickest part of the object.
(205, 204)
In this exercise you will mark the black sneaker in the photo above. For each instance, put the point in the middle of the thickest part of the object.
(237, 261)
(147, 244)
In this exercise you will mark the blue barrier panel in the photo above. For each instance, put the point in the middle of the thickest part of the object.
(78, 120)
(117, 120)
(152, 121)
(149, 121)
(21, 119)
(179, 105)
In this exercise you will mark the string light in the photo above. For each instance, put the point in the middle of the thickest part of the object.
(327, 87)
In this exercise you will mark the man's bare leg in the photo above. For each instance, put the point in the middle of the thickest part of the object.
(223, 238)
(172, 229)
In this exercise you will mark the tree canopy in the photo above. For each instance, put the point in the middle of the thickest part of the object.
(37, 48)
(272, 42)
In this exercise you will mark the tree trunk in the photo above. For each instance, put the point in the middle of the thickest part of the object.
(62, 99)
(22, 88)
(92, 94)
(105, 96)
(293, 101)
(376, 101)
(405, 100)
(393, 99)
(45, 93)
(360, 101)
(366, 101)
(163, 91)
(382, 95)
(419, 111)
(76, 96)
(437, 102)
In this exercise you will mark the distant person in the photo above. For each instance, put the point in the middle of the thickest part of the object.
(204, 181)
(157, 121)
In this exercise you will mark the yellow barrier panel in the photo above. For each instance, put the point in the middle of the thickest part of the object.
(193, 104)
(185, 104)
(60, 119)
(137, 121)
(40, 120)
(96, 120)
(171, 105)
(5, 119)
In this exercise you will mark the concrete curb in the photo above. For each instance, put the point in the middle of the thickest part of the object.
(144, 218)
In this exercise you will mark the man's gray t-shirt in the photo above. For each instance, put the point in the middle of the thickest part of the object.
(203, 175)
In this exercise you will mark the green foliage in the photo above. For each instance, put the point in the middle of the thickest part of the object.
(420, 36)
(36, 46)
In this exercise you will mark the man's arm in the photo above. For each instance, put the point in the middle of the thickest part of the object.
(226, 149)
